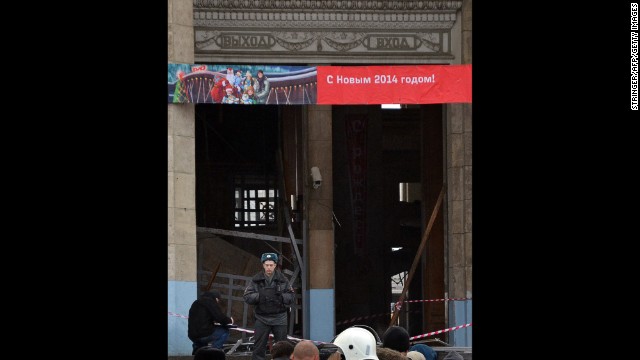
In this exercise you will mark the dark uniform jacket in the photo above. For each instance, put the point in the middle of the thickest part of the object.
(269, 299)
(202, 314)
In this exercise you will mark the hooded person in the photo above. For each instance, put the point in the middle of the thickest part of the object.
(415, 355)
(206, 324)
(396, 338)
(425, 350)
(269, 291)
(390, 354)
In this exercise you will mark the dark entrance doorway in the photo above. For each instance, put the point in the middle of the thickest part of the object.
(378, 155)
(240, 192)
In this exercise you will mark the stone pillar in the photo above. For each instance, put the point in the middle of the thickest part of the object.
(459, 169)
(320, 214)
(182, 288)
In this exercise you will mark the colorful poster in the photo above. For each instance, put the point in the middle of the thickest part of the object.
(407, 84)
(242, 84)
(324, 85)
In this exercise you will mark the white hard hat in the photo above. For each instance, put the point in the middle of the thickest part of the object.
(357, 344)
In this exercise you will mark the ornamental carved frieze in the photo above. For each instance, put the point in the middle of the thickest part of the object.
(328, 5)
(294, 41)
(329, 30)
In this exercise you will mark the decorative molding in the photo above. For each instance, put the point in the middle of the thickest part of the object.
(328, 30)
(431, 41)
(294, 41)
(322, 20)
(343, 41)
(299, 40)
(344, 5)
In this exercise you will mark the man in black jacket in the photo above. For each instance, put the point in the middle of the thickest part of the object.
(272, 296)
(207, 322)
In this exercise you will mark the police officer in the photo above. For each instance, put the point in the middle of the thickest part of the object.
(269, 292)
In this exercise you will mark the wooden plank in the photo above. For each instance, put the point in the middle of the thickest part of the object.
(213, 276)
(416, 259)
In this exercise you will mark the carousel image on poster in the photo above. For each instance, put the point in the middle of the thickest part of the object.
(242, 84)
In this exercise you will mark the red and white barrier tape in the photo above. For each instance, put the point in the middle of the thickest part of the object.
(178, 315)
(399, 303)
(320, 342)
(367, 317)
(236, 328)
(359, 318)
(252, 331)
(439, 332)
(398, 306)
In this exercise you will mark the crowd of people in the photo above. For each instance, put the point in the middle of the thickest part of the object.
(271, 294)
(235, 88)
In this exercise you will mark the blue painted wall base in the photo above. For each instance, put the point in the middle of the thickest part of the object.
(460, 313)
(181, 294)
(321, 314)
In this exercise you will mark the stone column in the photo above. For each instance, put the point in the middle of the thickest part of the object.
(182, 289)
(459, 169)
(320, 214)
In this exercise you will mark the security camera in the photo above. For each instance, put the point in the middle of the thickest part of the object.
(317, 178)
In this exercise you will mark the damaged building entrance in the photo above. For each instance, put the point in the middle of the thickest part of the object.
(253, 173)
(242, 176)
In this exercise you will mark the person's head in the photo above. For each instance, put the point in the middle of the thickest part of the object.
(239, 73)
(209, 353)
(389, 354)
(415, 355)
(336, 355)
(248, 75)
(357, 344)
(396, 338)
(329, 351)
(427, 351)
(260, 73)
(305, 350)
(249, 90)
(269, 262)
(283, 348)
(213, 294)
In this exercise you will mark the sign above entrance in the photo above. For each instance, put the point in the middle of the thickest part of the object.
(408, 84)
(324, 85)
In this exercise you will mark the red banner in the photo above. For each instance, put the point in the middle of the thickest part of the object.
(407, 84)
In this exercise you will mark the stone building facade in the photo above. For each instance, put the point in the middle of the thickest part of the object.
(308, 32)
